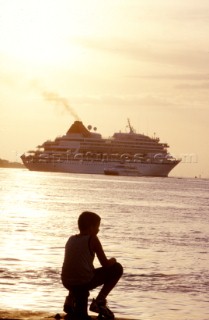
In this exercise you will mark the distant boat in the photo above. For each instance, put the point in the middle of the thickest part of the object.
(122, 170)
(83, 150)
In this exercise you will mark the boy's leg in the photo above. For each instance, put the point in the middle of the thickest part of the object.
(108, 277)
(69, 304)
(80, 294)
(78, 301)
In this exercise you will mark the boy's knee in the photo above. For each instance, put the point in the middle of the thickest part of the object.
(118, 269)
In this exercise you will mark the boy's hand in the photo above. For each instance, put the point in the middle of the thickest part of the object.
(96, 247)
(112, 261)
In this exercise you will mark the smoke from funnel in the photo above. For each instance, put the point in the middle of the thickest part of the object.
(54, 97)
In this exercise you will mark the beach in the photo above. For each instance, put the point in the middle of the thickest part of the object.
(29, 315)
(24, 315)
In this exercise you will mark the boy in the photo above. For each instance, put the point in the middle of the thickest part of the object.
(79, 275)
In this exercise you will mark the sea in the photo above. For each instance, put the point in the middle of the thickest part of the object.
(157, 228)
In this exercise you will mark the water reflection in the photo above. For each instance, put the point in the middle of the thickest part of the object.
(154, 229)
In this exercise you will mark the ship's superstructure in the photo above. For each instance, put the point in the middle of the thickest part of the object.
(81, 150)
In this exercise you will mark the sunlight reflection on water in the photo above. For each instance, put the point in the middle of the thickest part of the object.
(157, 228)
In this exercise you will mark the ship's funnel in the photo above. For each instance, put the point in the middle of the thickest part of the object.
(78, 127)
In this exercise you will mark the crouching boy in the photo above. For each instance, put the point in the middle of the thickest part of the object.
(79, 275)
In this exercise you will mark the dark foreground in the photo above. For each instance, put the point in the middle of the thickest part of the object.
(28, 315)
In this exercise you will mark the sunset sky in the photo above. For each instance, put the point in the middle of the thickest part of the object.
(108, 61)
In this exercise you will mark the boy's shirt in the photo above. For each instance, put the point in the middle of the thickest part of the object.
(78, 265)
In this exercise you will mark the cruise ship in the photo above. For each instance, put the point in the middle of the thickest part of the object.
(83, 150)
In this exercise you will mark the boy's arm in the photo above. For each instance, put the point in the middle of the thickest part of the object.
(96, 247)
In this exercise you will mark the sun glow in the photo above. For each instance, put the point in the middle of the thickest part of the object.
(37, 32)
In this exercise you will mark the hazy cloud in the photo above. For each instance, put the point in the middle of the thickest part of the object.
(190, 77)
(168, 53)
(10, 74)
(124, 100)
(196, 86)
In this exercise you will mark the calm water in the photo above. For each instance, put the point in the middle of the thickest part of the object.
(156, 227)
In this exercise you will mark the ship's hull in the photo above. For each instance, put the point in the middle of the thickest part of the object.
(99, 167)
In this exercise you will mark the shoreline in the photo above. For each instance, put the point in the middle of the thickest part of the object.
(17, 314)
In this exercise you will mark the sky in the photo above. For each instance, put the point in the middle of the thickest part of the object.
(102, 62)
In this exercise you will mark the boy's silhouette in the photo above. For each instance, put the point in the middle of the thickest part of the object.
(79, 275)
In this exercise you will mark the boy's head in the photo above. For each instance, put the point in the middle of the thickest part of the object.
(88, 220)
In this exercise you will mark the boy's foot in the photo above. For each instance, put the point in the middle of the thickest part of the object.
(101, 308)
(74, 317)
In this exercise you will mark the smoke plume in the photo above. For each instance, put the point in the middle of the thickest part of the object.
(54, 97)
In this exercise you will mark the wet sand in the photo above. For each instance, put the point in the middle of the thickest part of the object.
(29, 315)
